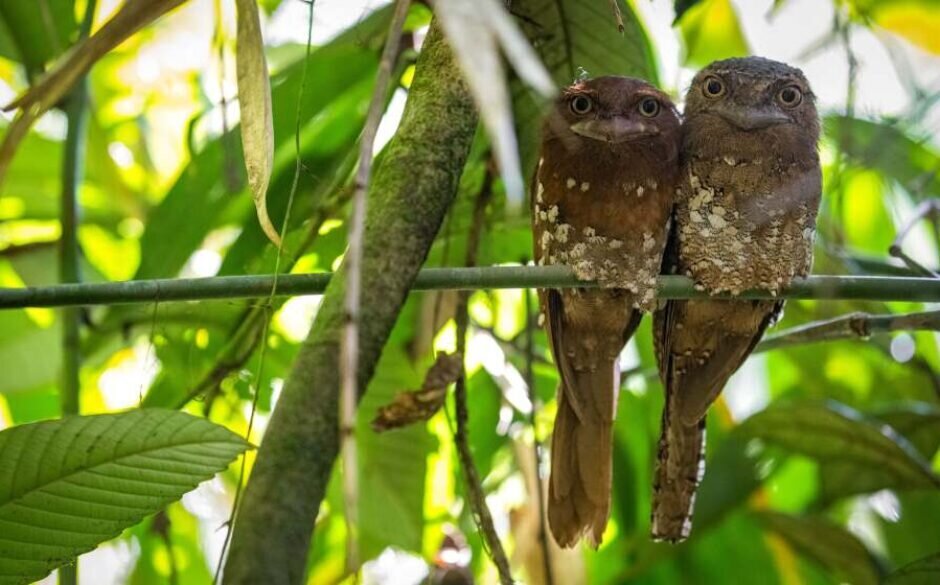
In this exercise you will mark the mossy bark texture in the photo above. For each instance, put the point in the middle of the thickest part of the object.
(408, 198)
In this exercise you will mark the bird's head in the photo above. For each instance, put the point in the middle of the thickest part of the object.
(751, 102)
(614, 111)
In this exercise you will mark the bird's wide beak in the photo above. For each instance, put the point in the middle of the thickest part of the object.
(753, 118)
(614, 129)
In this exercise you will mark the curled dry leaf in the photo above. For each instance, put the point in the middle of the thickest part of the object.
(477, 31)
(419, 405)
(58, 81)
(254, 102)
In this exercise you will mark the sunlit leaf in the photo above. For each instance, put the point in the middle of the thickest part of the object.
(68, 485)
(710, 31)
(828, 544)
(257, 120)
(915, 20)
(55, 84)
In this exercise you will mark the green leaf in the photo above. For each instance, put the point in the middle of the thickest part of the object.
(886, 147)
(68, 485)
(30, 353)
(571, 37)
(731, 476)
(40, 30)
(710, 31)
(919, 422)
(925, 571)
(392, 465)
(856, 455)
(828, 544)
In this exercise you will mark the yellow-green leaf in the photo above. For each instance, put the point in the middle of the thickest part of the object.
(710, 31)
(254, 102)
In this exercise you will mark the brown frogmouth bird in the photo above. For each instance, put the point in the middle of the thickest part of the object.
(745, 218)
(601, 201)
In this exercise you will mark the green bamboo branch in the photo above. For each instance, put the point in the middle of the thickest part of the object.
(870, 288)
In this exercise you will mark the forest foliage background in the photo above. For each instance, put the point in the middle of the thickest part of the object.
(803, 484)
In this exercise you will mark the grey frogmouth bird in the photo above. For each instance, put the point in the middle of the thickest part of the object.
(745, 218)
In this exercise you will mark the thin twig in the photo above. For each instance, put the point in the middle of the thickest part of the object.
(929, 209)
(479, 508)
(349, 353)
(855, 325)
(530, 384)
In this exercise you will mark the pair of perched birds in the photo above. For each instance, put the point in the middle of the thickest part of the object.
(625, 188)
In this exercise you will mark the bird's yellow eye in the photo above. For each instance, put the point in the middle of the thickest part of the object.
(649, 107)
(713, 87)
(790, 96)
(581, 104)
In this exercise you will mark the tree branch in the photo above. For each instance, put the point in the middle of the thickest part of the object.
(409, 196)
(854, 325)
(869, 288)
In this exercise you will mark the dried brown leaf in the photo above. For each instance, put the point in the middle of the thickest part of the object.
(254, 102)
(420, 405)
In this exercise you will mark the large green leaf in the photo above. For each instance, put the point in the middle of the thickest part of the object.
(925, 571)
(886, 147)
(571, 37)
(70, 484)
(392, 465)
(828, 544)
(856, 456)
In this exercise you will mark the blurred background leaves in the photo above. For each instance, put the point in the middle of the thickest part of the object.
(824, 458)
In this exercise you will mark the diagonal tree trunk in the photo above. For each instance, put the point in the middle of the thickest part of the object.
(409, 196)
